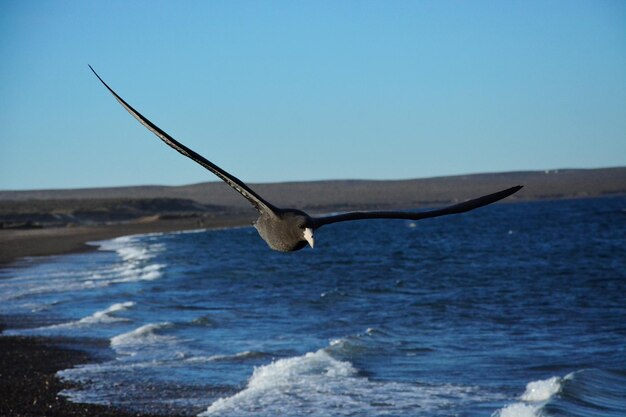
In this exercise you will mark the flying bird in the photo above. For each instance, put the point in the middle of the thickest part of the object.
(288, 229)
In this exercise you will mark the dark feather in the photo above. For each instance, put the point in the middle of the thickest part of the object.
(454, 209)
(259, 203)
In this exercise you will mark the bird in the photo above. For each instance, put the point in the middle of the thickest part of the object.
(290, 229)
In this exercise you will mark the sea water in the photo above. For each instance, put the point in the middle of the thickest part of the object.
(513, 310)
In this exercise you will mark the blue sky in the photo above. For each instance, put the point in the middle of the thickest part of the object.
(292, 90)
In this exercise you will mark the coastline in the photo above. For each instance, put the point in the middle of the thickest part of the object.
(29, 386)
(16, 244)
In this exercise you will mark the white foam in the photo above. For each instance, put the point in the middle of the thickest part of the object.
(134, 264)
(99, 317)
(45, 285)
(192, 231)
(270, 385)
(132, 248)
(135, 255)
(518, 410)
(318, 384)
(144, 335)
(131, 253)
(133, 273)
(241, 356)
(536, 395)
(105, 316)
(541, 390)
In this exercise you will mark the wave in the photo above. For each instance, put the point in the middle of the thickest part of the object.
(135, 263)
(136, 339)
(591, 392)
(581, 393)
(127, 248)
(135, 255)
(105, 316)
(534, 398)
(90, 280)
(133, 273)
(318, 384)
(237, 357)
(371, 341)
(99, 317)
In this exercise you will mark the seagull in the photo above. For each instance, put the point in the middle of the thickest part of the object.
(288, 229)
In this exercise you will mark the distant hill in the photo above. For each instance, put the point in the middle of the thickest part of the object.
(313, 196)
(85, 211)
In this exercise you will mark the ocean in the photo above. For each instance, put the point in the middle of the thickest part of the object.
(513, 310)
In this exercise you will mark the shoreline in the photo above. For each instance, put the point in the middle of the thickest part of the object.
(29, 386)
(16, 244)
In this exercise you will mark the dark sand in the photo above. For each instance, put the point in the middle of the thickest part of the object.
(29, 387)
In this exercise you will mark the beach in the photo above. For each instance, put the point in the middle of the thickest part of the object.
(28, 365)
(29, 385)
(20, 243)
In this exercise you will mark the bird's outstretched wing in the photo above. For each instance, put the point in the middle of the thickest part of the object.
(454, 209)
(259, 203)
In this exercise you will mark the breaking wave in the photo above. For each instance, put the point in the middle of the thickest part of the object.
(237, 357)
(578, 394)
(536, 396)
(301, 385)
(134, 263)
(105, 316)
(144, 335)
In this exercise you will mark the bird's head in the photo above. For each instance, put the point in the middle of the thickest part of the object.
(304, 229)
(307, 233)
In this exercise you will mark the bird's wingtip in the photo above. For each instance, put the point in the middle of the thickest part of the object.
(515, 189)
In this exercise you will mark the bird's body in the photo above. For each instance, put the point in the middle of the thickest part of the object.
(284, 230)
(288, 230)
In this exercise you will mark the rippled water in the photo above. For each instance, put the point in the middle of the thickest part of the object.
(512, 310)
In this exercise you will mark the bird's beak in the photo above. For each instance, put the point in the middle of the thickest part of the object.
(308, 236)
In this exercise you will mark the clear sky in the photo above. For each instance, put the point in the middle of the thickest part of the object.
(294, 90)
